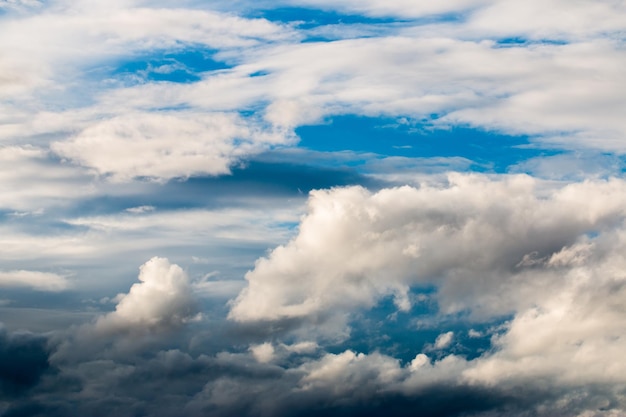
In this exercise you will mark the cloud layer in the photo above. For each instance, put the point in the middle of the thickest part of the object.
(194, 137)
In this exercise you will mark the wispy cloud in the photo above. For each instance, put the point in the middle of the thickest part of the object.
(42, 281)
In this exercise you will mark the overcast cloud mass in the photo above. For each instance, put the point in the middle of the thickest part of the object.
(310, 207)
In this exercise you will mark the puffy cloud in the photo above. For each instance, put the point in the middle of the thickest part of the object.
(473, 239)
(166, 145)
(263, 353)
(574, 336)
(162, 299)
(350, 373)
(43, 281)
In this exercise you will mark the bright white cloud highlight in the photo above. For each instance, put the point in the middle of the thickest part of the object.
(166, 145)
(484, 243)
(444, 340)
(263, 353)
(163, 298)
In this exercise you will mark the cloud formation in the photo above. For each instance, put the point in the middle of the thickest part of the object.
(23, 360)
(132, 128)
(482, 242)
(166, 145)
(42, 281)
(162, 299)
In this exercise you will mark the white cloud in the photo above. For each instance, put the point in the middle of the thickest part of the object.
(575, 335)
(60, 41)
(166, 145)
(567, 95)
(24, 189)
(350, 373)
(162, 299)
(400, 8)
(444, 340)
(263, 353)
(535, 19)
(42, 281)
(467, 238)
(140, 209)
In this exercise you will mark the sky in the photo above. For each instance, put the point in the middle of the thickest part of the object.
(311, 207)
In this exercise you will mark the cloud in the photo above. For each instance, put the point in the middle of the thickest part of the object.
(348, 370)
(534, 19)
(263, 353)
(401, 8)
(162, 299)
(520, 90)
(60, 40)
(24, 188)
(444, 340)
(457, 71)
(42, 281)
(467, 238)
(541, 259)
(165, 145)
(140, 209)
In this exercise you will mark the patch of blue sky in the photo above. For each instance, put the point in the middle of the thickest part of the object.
(490, 151)
(34, 298)
(319, 25)
(307, 18)
(38, 224)
(405, 334)
(522, 42)
(184, 65)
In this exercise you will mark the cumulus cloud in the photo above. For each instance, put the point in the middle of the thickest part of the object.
(468, 238)
(348, 370)
(162, 299)
(263, 353)
(549, 255)
(545, 257)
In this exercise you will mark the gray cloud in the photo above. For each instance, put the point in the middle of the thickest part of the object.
(24, 358)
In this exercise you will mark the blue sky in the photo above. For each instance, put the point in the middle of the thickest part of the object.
(306, 207)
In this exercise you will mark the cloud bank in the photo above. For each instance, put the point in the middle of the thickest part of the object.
(433, 193)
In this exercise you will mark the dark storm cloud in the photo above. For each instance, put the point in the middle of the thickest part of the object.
(23, 360)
